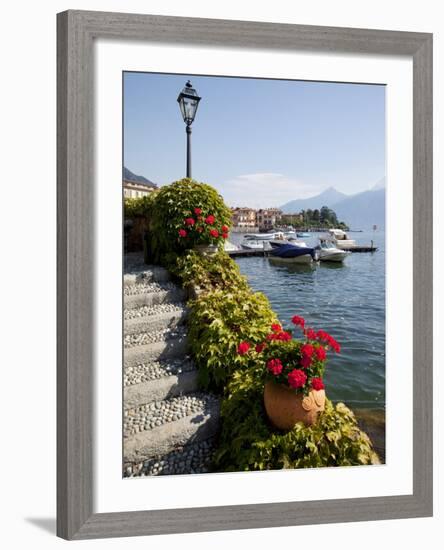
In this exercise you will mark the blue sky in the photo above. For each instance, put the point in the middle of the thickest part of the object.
(259, 142)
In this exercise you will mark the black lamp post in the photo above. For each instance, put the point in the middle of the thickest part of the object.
(188, 102)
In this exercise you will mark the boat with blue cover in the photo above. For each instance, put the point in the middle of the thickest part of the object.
(292, 253)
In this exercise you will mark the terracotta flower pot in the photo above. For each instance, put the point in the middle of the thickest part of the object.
(285, 407)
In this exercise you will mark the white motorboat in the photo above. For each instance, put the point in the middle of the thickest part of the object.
(259, 236)
(253, 244)
(341, 239)
(328, 252)
(229, 246)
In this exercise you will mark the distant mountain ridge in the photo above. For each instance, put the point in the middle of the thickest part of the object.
(360, 211)
(130, 176)
(329, 197)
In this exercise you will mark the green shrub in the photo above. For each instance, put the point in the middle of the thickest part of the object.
(219, 320)
(178, 202)
(207, 272)
(140, 207)
(249, 442)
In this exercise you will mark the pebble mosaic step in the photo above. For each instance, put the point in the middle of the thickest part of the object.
(150, 337)
(151, 415)
(156, 321)
(161, 388)
(194, 424)
(152, 294)
(148, 311)
(147, 372)
(146, 274)
(163, 350)
(169, 425)
(194, 458)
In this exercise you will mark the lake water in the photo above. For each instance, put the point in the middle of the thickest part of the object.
(348, 301)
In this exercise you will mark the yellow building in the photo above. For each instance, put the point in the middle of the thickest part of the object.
(137, 189)
(243, 217)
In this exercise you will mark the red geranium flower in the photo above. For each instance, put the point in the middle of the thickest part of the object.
(210, 219)
(317, 384)
(276, 327)
(224, 236)
(275, 366)
(225, 229)
(182, 233)
(307, 350)
(283, 336)
(190, 221)
(322, 335)
(198, 211)
(296, 378)
(243, 348)
(310, 334)
(214, 233)
(298, 321)
(260, 348)
(305, 362)
(321, 353)
(335, 345)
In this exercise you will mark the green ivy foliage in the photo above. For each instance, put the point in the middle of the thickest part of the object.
(219, 320)
(207, 272)
(175, 203)
(140, 207)
(249, 442)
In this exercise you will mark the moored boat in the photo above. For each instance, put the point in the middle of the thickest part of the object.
(341, 239)
(328, 252)
(292, 253)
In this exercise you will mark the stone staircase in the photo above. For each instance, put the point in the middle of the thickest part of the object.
(169, 424)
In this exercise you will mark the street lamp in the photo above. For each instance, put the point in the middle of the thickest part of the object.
(188, 102)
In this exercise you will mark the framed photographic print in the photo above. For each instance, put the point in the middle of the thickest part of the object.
(244, 274)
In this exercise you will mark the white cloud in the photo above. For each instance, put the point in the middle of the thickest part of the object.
(265, 189)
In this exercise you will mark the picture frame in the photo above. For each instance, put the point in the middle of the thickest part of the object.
(76, 33)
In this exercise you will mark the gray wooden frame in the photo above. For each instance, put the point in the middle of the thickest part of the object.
(76, 32)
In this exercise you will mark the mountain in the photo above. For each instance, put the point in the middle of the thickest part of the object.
(363, 210)
(360, 211)
(329, 198)
(129, 176)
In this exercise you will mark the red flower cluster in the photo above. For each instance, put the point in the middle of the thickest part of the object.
(317, 384)
(243, 348)
(301, 364)
(320, 336)
(296, 378)
(329, 340)
(279, 336)
(298, 321)
(200, 225)
(275, 366)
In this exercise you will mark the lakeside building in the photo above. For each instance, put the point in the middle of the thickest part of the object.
(268, 218)
(136, 189)
(243, 217)
(292, 219)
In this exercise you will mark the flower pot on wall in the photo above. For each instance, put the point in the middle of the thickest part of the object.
(206, 249)
(285, 407)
